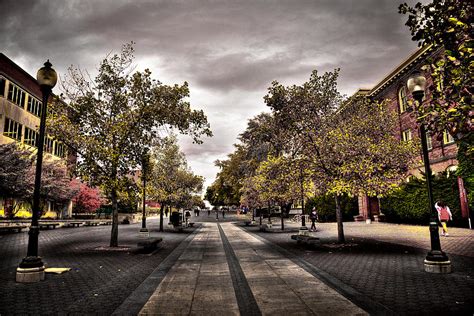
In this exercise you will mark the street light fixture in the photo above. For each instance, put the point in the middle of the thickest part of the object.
(31, 268)
(436, 260)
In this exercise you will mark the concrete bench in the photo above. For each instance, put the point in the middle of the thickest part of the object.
(47, 225)
(149, 244)
(11, 228)
(73, 224)
(91, 223)
(309, 240)
(190, 224)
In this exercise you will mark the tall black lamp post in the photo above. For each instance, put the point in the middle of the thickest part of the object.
(145, 164)
(303, 229)
(436, 260)
(31, 268)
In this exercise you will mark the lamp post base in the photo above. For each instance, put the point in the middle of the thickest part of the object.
(303, 231)
(440, 267)
(30, 270)
(144, 233)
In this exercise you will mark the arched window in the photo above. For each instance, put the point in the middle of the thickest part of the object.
(402, 99)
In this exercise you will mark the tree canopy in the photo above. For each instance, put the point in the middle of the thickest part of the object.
(111, 120)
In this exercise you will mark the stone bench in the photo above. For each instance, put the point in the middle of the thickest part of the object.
(11, 228)
(190, 224)
(73, 224)
(47, 225)
(305, 239)
(149, 244)
(91, 223)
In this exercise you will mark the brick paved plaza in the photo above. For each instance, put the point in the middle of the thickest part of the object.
(222, 267)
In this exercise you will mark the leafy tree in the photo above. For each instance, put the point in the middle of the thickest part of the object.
(172, 183)
(15, 171)
(197, 200)
(87, 199)
(348, 145)
(56, 186)
(448, 24)
(111, 120)
(17, 177)
(259, 140)
(277, 182)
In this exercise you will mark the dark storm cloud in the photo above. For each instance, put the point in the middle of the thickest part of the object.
(229, 51)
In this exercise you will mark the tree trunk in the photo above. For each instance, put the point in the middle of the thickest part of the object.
(162, 208)
(282, 220)
(340, 228)
(114, 233)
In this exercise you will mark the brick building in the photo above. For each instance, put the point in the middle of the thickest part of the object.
(442, 150)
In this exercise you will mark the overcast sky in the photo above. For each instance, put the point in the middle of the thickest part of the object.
(228, 51)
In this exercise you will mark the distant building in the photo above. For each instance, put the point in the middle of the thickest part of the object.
(393, 87)
(20, 110)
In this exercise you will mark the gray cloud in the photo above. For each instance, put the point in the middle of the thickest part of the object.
(229, 51)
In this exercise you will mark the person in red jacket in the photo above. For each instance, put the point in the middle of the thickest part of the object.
(444, 215)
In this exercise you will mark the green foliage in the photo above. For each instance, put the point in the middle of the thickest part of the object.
(172, 183)
(409, 204)
(111, 120)
(447, 24)
(325, 206)
(276, 181)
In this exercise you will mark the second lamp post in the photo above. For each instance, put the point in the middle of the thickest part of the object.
(436, 260)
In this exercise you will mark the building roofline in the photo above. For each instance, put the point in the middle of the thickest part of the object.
(401, 68)
(2, 55)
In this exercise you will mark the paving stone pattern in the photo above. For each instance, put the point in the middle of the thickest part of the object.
(384, 262)
(210, 272)
(99, 280)
(199, 283)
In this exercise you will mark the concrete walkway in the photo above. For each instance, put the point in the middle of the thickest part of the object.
(226, 270)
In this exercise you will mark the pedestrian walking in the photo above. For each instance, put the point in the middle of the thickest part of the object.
(223, 212)
(187, 215)
(444, 215)
(313, 217)
(208, 212)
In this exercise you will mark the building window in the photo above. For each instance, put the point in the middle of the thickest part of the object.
(59, 149)
(406, 135)
(2, 86)
(402, 99)
(447, 138)
(48, 145)
(429, 141)
(34, 106)
(16, 95)
(12, 129)
(31, 137)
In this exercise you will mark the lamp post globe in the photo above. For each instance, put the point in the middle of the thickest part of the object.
(47, 76)
(31, 268)
(436, 260)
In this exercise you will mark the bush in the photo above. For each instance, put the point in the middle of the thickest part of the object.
(409, 204)
(326, 207)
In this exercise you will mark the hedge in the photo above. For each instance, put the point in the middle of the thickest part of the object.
(409, 204)
(326, 207)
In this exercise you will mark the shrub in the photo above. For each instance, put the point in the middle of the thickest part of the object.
(326, 207)
(409, 204)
